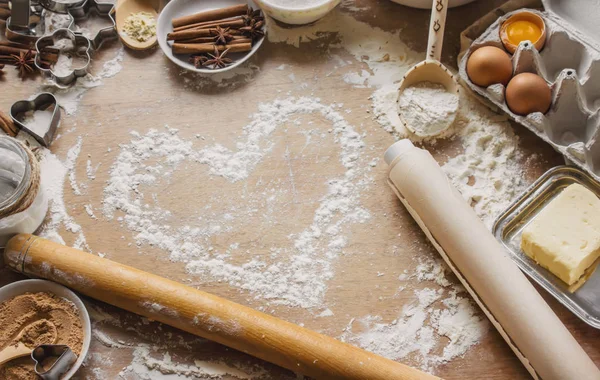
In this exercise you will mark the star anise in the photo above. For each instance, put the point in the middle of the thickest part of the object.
(254, 30)
(198, 60)
(252, 15)
(222, 36)
(24, 62)
(218, 60)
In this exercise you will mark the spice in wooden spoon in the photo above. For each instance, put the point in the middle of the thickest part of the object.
(34, 334)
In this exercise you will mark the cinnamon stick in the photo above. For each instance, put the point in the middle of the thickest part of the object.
(4, 6)
(195, 33)
(14, 44)
(240, 41)
(206, 40)
(231, 23)
(179, 48)
(199, 40)
(215, 14)
(4, 13)
(7, 125)
(8, 50)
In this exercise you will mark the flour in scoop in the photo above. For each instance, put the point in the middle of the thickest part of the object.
(427, 108)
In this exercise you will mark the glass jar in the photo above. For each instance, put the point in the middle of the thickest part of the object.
(15, 181)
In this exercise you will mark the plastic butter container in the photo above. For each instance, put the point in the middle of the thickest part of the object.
(583, 302)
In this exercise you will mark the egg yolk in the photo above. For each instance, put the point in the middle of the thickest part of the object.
(521, 30)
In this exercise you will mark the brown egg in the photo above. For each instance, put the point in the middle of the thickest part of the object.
(527, 93)
(489, 65)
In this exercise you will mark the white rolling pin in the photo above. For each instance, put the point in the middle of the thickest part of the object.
(515, 308)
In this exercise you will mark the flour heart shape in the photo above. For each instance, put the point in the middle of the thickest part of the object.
(299, 274)
(42, 102)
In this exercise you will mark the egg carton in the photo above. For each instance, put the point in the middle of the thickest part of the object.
(570, 64)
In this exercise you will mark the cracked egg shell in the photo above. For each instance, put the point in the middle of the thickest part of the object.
(523, 26)
(489, 65)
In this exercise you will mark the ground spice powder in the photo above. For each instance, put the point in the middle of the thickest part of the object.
(49, 317)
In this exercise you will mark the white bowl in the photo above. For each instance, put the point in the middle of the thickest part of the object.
(426, 4)
(34, 286)
(297, 16)
(179, 8)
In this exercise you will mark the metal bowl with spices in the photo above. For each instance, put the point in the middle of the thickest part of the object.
(23, 203)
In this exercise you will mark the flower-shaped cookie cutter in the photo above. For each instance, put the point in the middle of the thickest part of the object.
(26, 23)
(81, 46)
(42, 102)
(66, 358)
(102, 9)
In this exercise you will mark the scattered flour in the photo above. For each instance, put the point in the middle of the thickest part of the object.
(53, 174)
(487, 173)
(146, 366)
(69, 97)
(38, 122)
(428, 108)
(415, 332)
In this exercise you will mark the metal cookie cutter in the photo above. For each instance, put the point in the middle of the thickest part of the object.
(26, 23)
(59, 6)
(102, 9)
(81, 47)
(65, 360)
(41, 102)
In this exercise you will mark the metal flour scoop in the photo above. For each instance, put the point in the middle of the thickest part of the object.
(431, 69)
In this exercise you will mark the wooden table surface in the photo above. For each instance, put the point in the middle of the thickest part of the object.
(150, 92)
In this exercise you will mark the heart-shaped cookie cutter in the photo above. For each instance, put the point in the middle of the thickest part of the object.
(26, 23)
(82, 47)
(102, 9)
(41, 102)
(66, 358)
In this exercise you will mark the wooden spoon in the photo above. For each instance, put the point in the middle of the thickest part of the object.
(124, 9)
(20, 349)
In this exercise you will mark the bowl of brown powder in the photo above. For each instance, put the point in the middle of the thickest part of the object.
(40, 305)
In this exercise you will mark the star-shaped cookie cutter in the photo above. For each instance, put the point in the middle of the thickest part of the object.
(81, 46)
(40, 103)
(103, 9)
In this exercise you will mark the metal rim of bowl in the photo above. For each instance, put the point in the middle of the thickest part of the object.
(20, 287)
(167, 49)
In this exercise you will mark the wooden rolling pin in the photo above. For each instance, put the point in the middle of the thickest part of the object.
(236, 326)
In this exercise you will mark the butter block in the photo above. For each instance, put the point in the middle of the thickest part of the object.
(565, 236)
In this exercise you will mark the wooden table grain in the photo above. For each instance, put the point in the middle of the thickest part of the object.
(150, 92)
